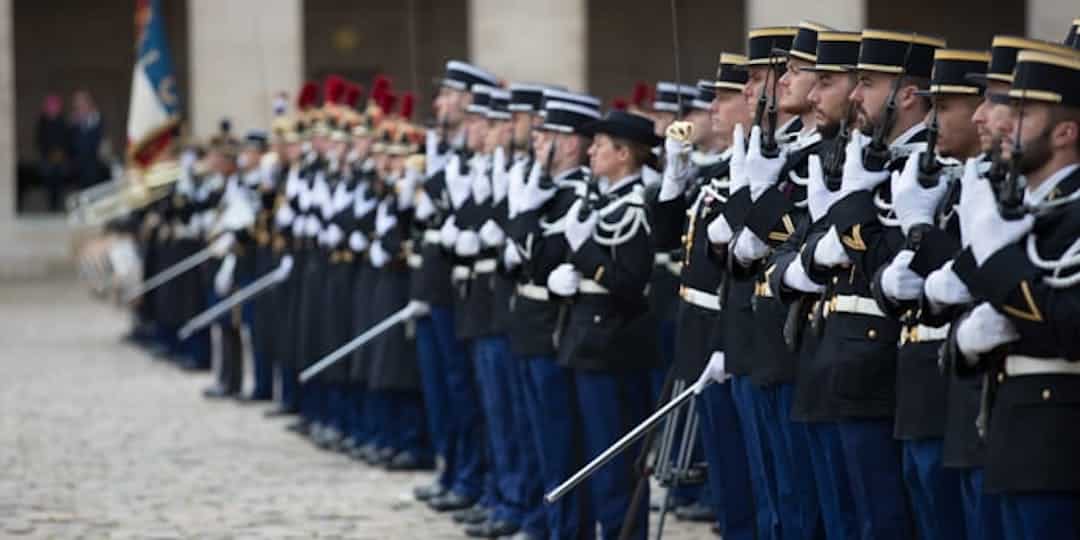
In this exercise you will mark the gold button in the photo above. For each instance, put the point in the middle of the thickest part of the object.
(836, 279)
(596, 319)
(809, 316)
(871, 333)
(1046, 394)
(1001, 377)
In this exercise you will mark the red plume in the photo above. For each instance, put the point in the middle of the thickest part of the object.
(335, 89)
(380, 85)
(352, 94)
(642, 93)
(388, 101)
(308, 95)
(620, 104)
(408, 101)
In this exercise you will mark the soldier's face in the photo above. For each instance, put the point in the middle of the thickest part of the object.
(992, 120)
(476, 127)
(606, 159)
(661, 120)
(498, 134)
(450, 105)
(702, 122)
(759, 76)
(522, 127)
(795, 86)
(293, 151)
(869, 97)
(362, 145)
(728, 108)
(248, 158)
(829, 98)
(957, 136)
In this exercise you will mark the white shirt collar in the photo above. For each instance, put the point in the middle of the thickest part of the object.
(615, 186)
(1041, 192)
(909, 134)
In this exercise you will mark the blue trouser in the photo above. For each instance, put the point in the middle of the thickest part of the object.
(405, 422)
(313, 402)
(534, 516)
(1038, 516)
(746, 398)
(610, 405)
(725, 452)
(377, 410)
(436, 400)
(934, 491)
(494, 372)
(465, 433)
(982, 511)
(796, 500)
(872, 458)
(356, 422)
(290, 388)
(658, 375)
(551, 400)
(822, 441)
(263, 368)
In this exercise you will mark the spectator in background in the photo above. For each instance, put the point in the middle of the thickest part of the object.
(85, 139)
(52, 147)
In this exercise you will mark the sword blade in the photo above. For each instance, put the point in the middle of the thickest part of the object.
(357, 342)
(249, 291)
(171, 273)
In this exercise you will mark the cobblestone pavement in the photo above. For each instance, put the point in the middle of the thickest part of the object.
(98, 440)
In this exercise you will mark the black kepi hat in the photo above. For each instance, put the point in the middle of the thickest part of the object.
(628, 126)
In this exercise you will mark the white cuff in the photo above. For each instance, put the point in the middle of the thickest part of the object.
(795, 278)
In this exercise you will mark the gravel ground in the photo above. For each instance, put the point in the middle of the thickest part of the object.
(99, 440)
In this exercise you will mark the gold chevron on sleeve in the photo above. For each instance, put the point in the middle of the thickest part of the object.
(854, 240)
(789, 225)
(1031, 312)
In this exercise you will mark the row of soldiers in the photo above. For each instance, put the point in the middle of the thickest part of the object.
(858, 249)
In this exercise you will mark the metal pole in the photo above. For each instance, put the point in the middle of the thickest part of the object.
(176, 270)
(357, 342)
(241, 296)
(623, 443)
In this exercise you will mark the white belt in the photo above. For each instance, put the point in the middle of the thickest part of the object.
(588, 286)
(700, 299)
(534, 292)
(432, 236)
(484, 266)
(922, 334)
(844, 303)
(460, 273)
(1016, 365)
(415, 260)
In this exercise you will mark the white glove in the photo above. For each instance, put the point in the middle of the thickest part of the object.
(913, 203)
(649, 176)
(564, 280)
(719, 231)
(829, 251)
(222, 244)
(677, 168)
(818, 197)
(384, 219)
(749, 248)
(578, 231)
(533, 195)
(448, 233)
(990, 231)
(284, 216)
(855, 176)
(434, 161)
(968, 207)
(284, 267)
(379, 257)
(223, 279)
(333, 236)
(944, 288)
(737, 163)
(762, 172)
(424, 207)
(983, 331)
(467, 244)
(511, 257)
(406, 188)
(312, 226)
(419, 309)
(795, 278)
(458, 185)
(898, 281)
(298, 227)
(491, 234)
(481, 186)
(500, 176)
(358, 242)
(363, 204)
(713, 371)
(516, 187)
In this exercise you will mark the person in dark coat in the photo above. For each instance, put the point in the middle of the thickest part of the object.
(86, 132)
(51, 137)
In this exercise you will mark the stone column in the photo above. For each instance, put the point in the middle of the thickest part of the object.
(7, 115)
(838, 14)
(242, 53)
(526, 40)
(1050, 19)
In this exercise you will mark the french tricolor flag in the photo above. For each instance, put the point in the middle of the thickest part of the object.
(154, 113)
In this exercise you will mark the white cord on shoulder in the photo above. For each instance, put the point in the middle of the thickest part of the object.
(1069, 260)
